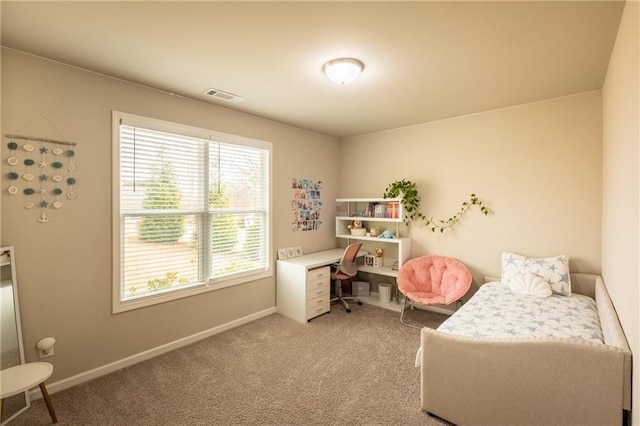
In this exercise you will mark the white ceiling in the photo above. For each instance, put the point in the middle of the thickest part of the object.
(424, 61)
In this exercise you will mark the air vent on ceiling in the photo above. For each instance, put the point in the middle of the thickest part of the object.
(225, 96)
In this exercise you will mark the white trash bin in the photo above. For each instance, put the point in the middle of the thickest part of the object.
(384, 292)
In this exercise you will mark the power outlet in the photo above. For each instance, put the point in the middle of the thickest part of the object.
(43, 354)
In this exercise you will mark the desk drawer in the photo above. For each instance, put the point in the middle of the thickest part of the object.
(318, 273)
(318, 289)
(318, 305)
(315, 285)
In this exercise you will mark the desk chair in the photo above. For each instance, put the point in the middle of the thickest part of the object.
(345, 271)
(432, 280)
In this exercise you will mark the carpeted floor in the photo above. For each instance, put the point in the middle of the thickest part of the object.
(340, 368)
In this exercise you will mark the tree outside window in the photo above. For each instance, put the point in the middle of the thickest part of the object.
(162, 194)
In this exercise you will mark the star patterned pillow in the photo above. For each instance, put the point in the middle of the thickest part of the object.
(554, 270)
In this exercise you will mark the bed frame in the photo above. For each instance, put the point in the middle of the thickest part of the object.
(554, 381)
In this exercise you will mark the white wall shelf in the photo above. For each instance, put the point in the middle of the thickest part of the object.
(378, 270)
(374, 299)
(389, 209)
(395, 250)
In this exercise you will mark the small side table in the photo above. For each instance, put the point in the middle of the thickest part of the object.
(15, 380)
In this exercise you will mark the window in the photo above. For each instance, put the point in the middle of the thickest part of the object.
(191, 211)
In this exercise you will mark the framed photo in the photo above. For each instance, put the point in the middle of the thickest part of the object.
(291, 252)
(298, 250)
(282, 253)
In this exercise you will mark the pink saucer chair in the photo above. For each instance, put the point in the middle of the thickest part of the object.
(432, 280)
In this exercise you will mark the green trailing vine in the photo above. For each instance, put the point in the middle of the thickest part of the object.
(407, 191)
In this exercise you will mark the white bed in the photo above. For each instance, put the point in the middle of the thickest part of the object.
(506, 358)
(524, 315)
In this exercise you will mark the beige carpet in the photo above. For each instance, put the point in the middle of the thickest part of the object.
(341, 368)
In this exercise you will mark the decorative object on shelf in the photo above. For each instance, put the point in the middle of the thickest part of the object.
(371, 260)
(411, 202)
(289, 252)
(357, 228)
(306, 204)
(356, 224)
(282, 253)
(43, 175)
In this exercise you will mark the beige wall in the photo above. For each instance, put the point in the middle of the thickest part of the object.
(64, 266)
(621, 185)
(538, 166)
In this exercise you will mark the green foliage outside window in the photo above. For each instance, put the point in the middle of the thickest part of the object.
(254, 243)
(224, 227)
(167, 281)
(162, 193)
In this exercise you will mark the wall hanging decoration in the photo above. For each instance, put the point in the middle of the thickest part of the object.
(306, 204)
(41, 170)
(411, 202)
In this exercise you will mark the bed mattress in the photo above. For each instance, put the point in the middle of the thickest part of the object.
(497, 312)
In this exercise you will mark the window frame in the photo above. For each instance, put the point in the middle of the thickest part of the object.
(212, 284)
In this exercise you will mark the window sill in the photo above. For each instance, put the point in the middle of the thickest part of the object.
(142, 302)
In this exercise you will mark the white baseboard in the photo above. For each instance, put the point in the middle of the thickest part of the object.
(143, 356)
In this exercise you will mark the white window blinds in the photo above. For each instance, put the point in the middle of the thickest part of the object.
(193, 210)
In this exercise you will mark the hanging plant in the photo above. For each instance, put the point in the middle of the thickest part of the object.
(410, 199)
(407, 191)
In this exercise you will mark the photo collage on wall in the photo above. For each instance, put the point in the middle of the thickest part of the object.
(305, 204)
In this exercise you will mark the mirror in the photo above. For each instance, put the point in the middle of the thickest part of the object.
(11, 349)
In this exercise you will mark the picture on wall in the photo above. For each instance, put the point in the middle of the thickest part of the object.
(305, 204)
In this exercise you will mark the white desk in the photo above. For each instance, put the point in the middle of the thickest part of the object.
(303, 284)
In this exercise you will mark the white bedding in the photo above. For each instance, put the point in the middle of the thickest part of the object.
(496, 312)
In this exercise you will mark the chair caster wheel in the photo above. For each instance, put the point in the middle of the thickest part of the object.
(360, 303)
(348, 311)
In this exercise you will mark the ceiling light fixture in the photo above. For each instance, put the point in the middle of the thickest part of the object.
(343, 70)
